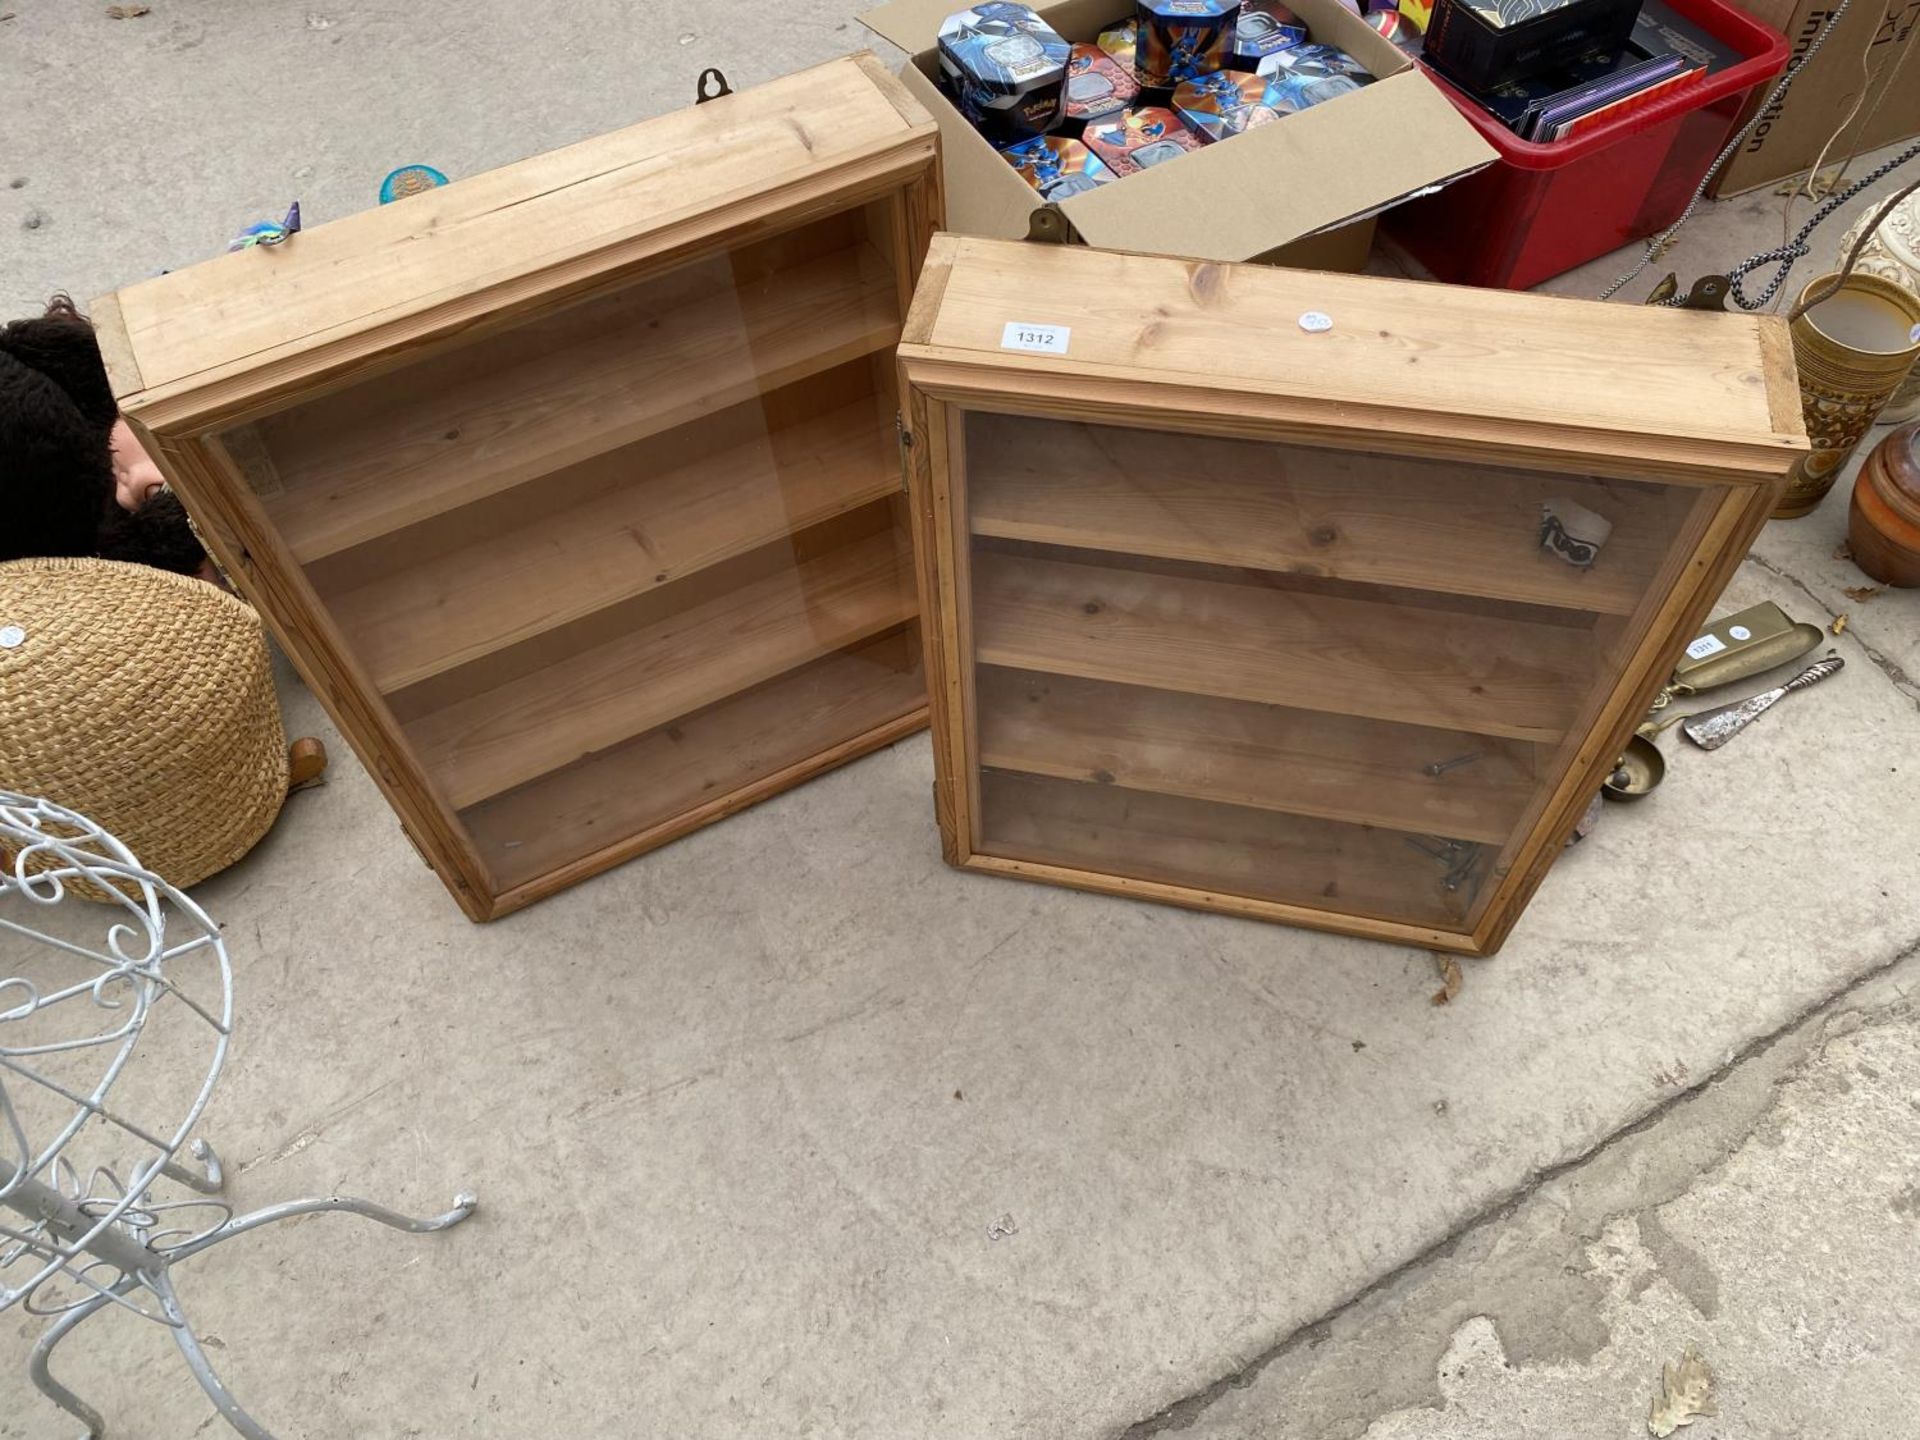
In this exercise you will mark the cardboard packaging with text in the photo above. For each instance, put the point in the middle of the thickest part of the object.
(1788, 137)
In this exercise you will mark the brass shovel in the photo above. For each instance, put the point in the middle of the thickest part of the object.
(1769, 654)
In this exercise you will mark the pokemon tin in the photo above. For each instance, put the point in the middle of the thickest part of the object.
(1226, 103)
(1056, 166)
(1122, 42)
(1137, 139)
(1265, 26)
(1310, 75)
(1097, 85)
(1006, 69)
(1182, 39)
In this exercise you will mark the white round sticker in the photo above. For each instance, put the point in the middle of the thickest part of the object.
(1741, 632)
(1315, 322)
(12, 637)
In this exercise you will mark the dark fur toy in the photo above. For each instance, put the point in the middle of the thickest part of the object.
(56, 413)
(56, 459)
(157, 534)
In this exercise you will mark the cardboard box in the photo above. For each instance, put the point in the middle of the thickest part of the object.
(1301, 192)
(1788, 138)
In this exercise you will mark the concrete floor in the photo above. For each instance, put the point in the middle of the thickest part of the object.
(745, 1115)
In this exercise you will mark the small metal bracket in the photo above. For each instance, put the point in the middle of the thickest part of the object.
(711, 85)
(1049, 225)
(1709, 292)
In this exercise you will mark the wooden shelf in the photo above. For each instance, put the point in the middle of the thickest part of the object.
(1478, 673)
(1429, 525)
(1347, 869)
(410, 451)
(1265, 757)
(487, 743)
(705, 765)
(646, 531)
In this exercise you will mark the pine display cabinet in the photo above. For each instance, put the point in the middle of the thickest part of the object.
(574, 489)
(1320, 599)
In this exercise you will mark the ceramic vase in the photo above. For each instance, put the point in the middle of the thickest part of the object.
(1883, 525)
(1853, 351)
(1894, 254)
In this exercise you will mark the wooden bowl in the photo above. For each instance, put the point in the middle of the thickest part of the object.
(1883, 524)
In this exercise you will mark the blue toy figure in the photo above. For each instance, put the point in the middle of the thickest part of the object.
(268, 232)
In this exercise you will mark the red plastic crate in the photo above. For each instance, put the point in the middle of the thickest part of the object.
(1541, 209)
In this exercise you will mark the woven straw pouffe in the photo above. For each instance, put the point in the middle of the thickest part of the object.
(144, 700)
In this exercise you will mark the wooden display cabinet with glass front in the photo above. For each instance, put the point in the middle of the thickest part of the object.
(574, 489)
(1315, 598)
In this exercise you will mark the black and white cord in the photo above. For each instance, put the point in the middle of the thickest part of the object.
(1784, 257)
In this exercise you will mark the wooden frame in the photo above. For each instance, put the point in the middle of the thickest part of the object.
(1210, 595)
(573, 489)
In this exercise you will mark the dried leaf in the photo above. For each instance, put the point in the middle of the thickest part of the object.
(1861, 592)
(1686, 1395)
(128, 12)
(1839, 625)
(1810, 187)
(1450, 979)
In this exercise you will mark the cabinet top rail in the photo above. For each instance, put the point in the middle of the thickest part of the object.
(234, 332)
(1189, 343)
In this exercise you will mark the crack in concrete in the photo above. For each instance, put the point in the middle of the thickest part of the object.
(1683, 1266)
(1754, 557)
(1824, 1011)
(1893, 670)
(313, 1134)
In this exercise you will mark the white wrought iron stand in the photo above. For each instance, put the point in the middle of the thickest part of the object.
(87, 1240)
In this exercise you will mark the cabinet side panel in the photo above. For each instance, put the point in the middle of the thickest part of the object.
(1719, 547)
(941, 613)
(950, 462)
(251, 553)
